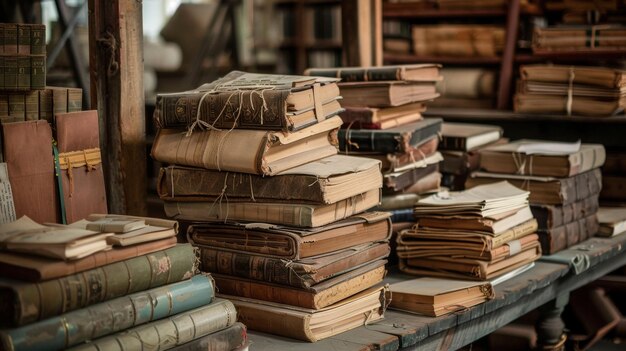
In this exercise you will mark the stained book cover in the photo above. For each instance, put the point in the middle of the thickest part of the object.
(559, 238)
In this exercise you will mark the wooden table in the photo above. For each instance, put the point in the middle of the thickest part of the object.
(547, 285)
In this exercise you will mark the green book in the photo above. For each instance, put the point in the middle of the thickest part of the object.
(23, 72)
(38, 39)
(38, 72)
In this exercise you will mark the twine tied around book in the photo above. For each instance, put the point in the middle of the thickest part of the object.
(570, 91)
(88, 158)
(348, 141)
(520, 161)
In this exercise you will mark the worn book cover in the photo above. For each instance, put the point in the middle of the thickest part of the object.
(425, 72)
(386, 93)
(405, 178)
(373, 115)
(612, 221)
(466, 136)
(559, 238)
(551, 216)
(232, 338)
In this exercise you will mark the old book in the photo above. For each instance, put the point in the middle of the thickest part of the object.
(82, 176)
(58, 241)
(38, 268)
(152, 228)
(401, 139)
(550, 216)
(229, 339)
(386, 93)
(89, 323)
(551, 159)
(37, 72)
(293, 214)
(402, 215)
(613, 188)
(581, 106)
(547, 190)
(458, 40)
(386, 124)
(428, 184)
(247, 151)
(7, 208)
(23, 72)
(466, 136)
(398, 201)
(27, 149)
(10, 38)
(312, 325)
(169, 332)
(23, 39)
(529, 87)
(468, 83)
(10, 72)
(302, 273)
(291, 243)
(435, 296)
(324, 181)
(115, 225)
(26, 302)
(17, 107)
(612, 221)
(37, 39)
(465, 268)
(315, 297)
(578, 37)
(419, 72)
(494, 225)
(392, 162)
(559, 238)
(373, 115)
(250, 101)
(404, 178)
(464, 162)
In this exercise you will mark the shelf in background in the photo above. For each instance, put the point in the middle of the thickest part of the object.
(578, 55)
(499, 115)
(306, 2)
(318, 44)
(415, 11)
(449, 60)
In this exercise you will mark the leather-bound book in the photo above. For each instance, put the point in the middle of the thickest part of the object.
(229, 339)
(105, 318)
(425, 72)
(374, 115)
(251, 101)
(312, 325)
(386, 93)
(247, 151)
(315, 297)
(551, 216)
(80, 160)
(27, 149)
(401, 139)
(580, 105)
(403, 180)
(169, 332)
(612, 221)
(25, 302)
(129, 230)
(291, 243)
(386, 124)
(560, 238)
(467, 136)
(302, 273)
(324, 181)
(397, 161)
(402, 215)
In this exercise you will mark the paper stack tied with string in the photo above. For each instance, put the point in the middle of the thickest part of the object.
(278, 216)
(564, 181)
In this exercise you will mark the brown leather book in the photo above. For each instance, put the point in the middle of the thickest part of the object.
(428, 184)
(315, 297)
(37, 268)
(309, 324)
(302, 273)
(386, 93)
(551, 216)
(291, 243)
(425, 72)
(547, 190)
(27, 148)
(559, 238)
(78, 135)
(457, 40)
(394, 161)
(398, 181)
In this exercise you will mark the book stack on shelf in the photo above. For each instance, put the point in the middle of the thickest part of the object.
(564, 181)
(22, 56)
(614, 179)
(279, 217)
(94, 289)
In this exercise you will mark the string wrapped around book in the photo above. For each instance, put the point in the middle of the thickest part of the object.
(89, 159)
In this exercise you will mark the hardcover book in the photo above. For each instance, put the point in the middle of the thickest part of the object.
(149, 229)
(407, 176)
(386, 93)
(612, 221)
(427, 72)
(551, 216)
(466, 136)
(559, 238)
(578, 106)
(393, 162)
(373, 115)
(232, 338)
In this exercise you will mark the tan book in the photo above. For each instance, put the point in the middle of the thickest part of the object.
(424, 72)
(492, 225)
(312, 325)
(458, 40)
(152, 229)
(435, 296)
(56, 241)
(386, 93)
(297, 215)
(542, 158)
(365, 115)
(247, 151)
(596, 76)
(612, 221)
(466, 136)
(114, 225)
(580, 106)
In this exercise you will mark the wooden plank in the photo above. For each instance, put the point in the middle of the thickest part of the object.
(370, 338)
(116, 67)
(506, 69)
(262, 341)
(361, 22)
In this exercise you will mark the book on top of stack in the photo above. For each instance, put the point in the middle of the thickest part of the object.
(563, 179)
(278, 217)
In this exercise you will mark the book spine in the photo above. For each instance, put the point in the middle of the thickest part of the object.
(112, 316)
(166, 333)
(359, 75)
(10, 72)
(2, 40)
(562, 237)
(452, 143)
(59, 101)
(29, 304)
(385, 142)
(514, 233)
(555, 216)
(1, 73)
(23, 39)
(295, 326)
(228, 339)
(38, 39)
(258, 290)
(23, 72)
(402, 215)
(4, 105)
(38, 72)
(45, 105)
(10, 39)
(357, 114)
(17, 107)
(31, 105)
(74, 99)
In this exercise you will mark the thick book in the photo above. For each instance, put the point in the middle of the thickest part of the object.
(229, 339)
(291, 214)
(303, 273)
(551, 216)
(89, 323)
(435, 297)
(539, 158)
(315, 297)
(560, 238)
(546, 190)
(402, 215)
(27, 150)
(467, 136)
(82, 178)
(428, 184)
(291, 243)
(563, 105)
(36, 268)
(612, 221)
(405, 178)
(386, 93)
(374, 115)
(396, 161)
(247, 151)
(426, 72)
(251, 101)
(169, 332)
(26, 302)
(152, 228)
(401, 139)
(313, 325)
(398, 201)
(386, 124)
(324, 181)
(55, 241)
(493, 225)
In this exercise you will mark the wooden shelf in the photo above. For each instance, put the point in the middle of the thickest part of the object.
(446, 60)
(416, 11)
(498, 115)
(318, 44)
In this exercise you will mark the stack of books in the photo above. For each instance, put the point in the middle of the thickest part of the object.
(460, 147)
(280, 218)
(564, 181)
(458, 40)
(614, 180)
(570, 90)
(476, 234)
(22, 56)
(587, 38)
(121, 284)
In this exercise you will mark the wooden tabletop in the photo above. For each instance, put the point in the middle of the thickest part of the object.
(514, 298)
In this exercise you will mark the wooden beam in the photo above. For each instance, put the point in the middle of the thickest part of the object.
(361, 22)
(116, 69)
(508, 56)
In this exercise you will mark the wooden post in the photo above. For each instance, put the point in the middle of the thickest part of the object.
(116, 70)
(362, 32)
(508, 56)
